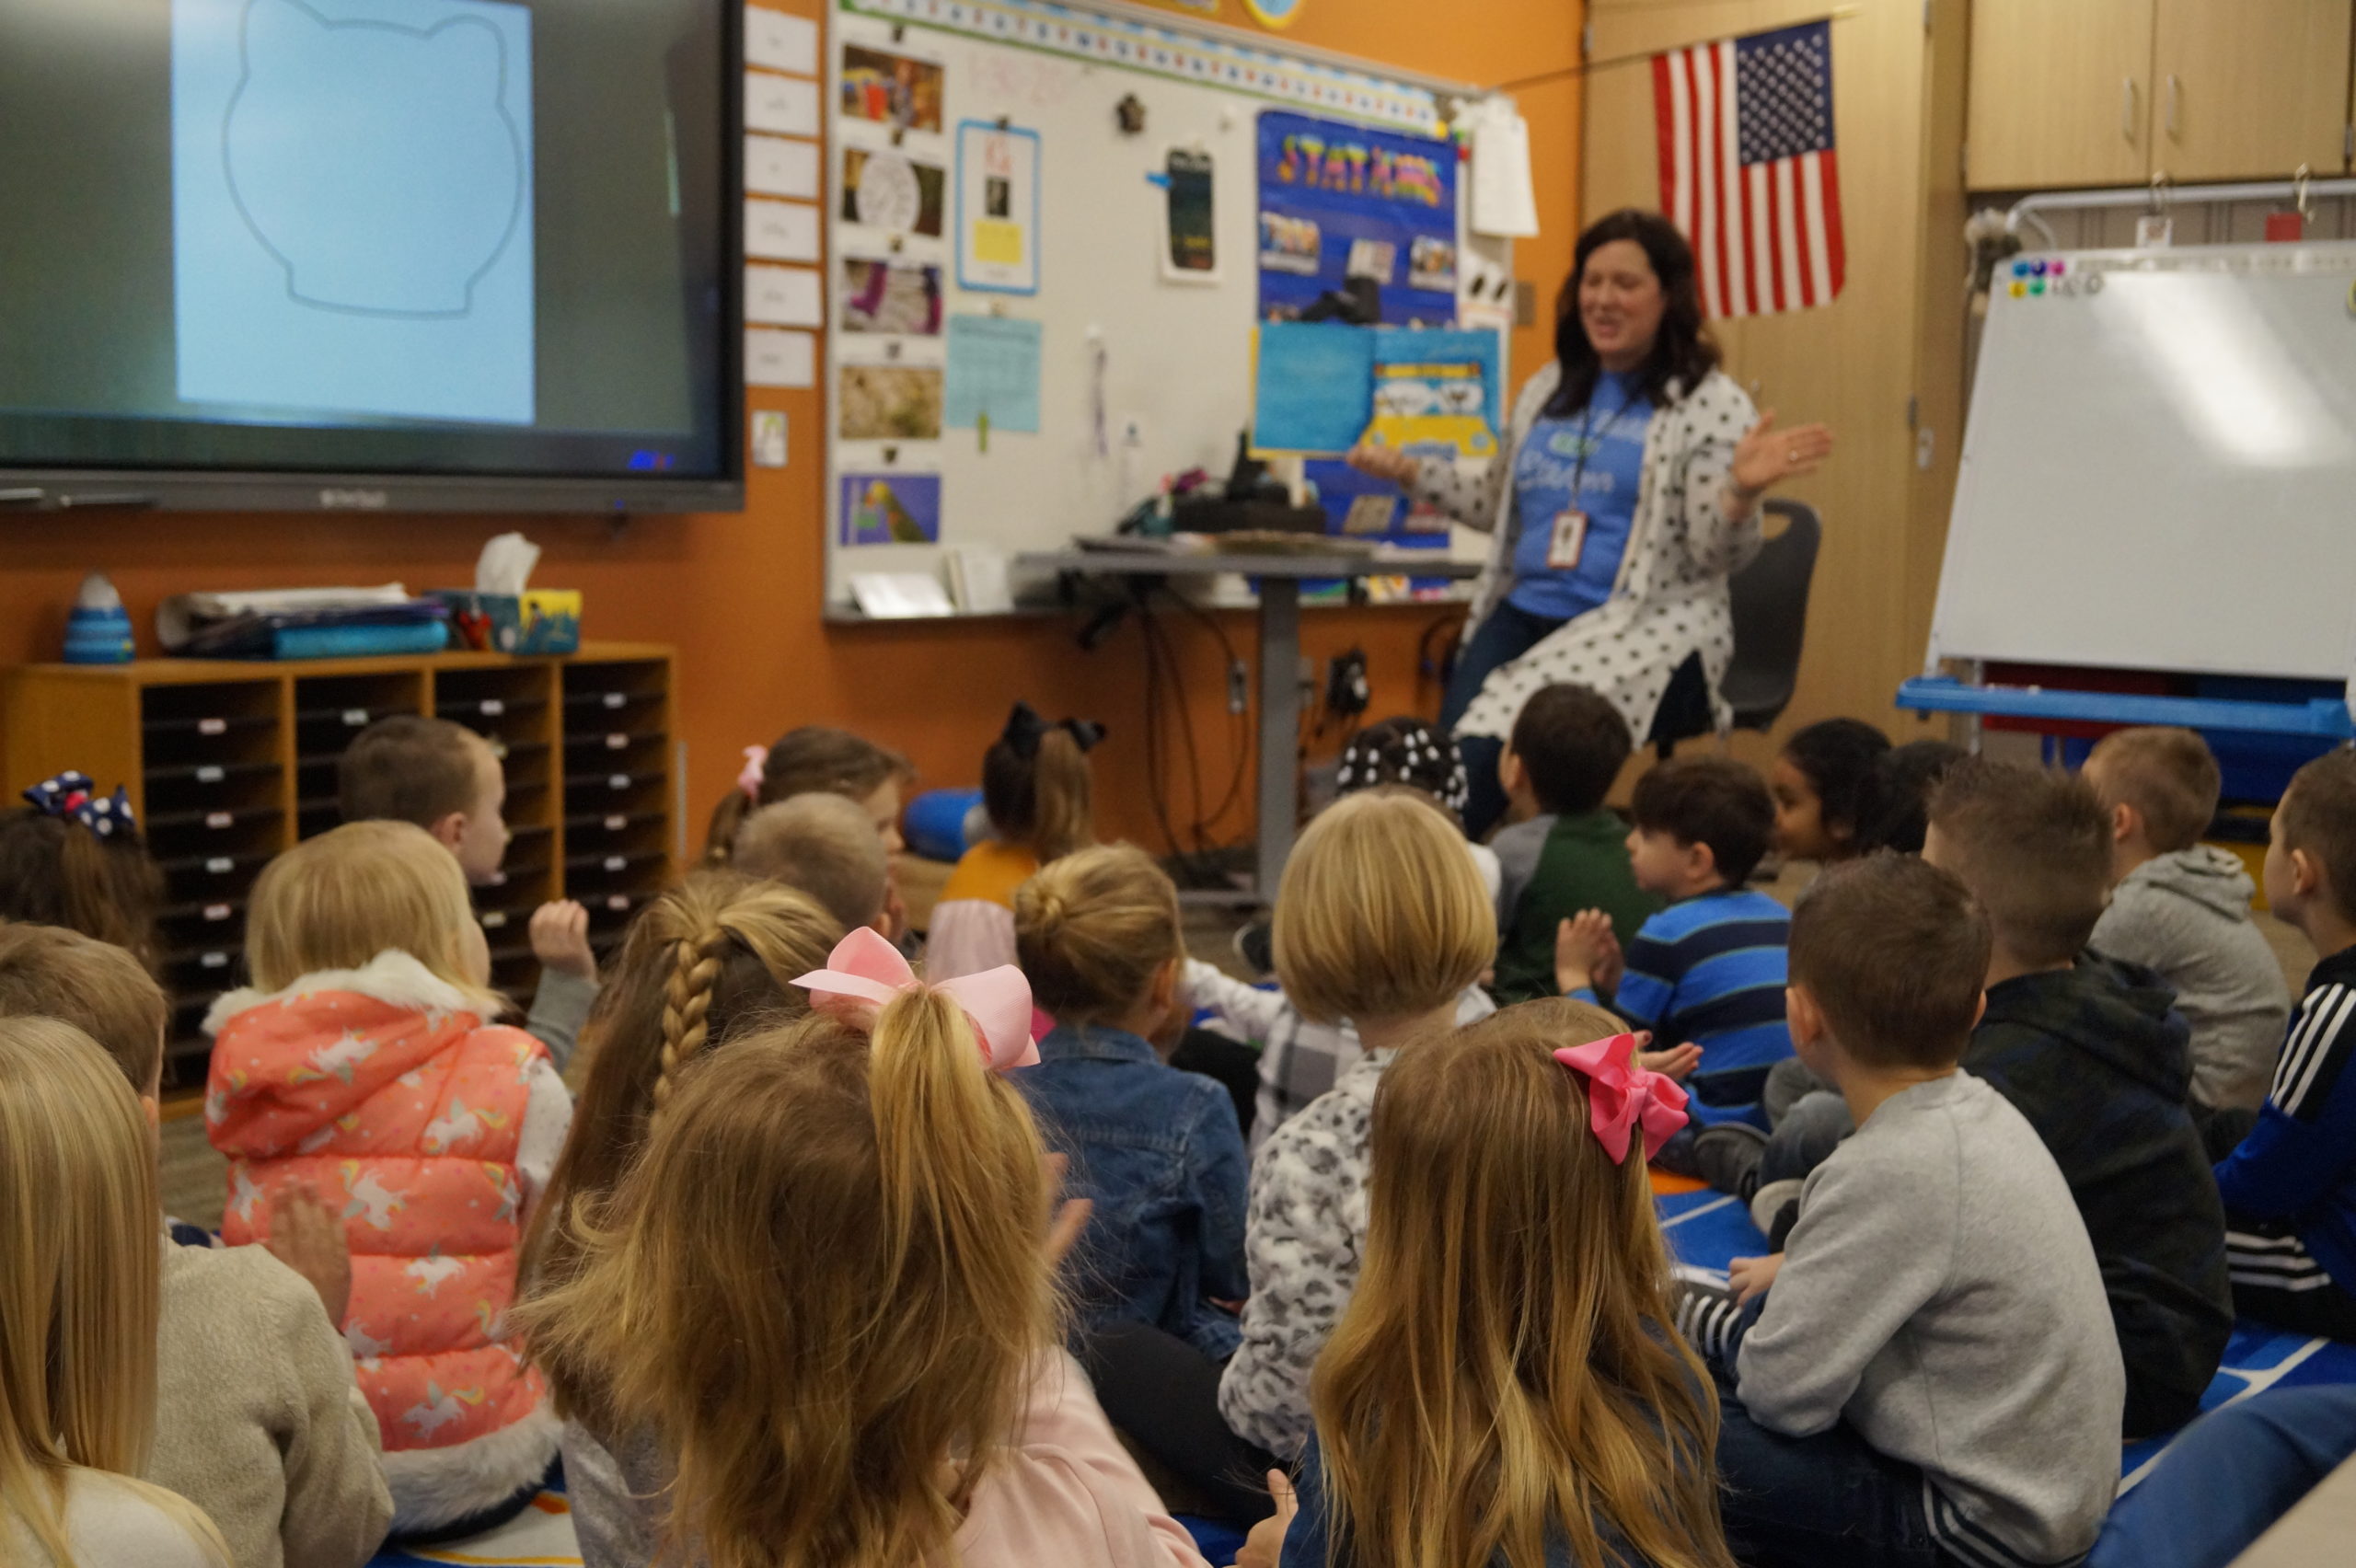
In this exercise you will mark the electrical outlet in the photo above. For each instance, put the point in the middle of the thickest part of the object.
(1239, 686)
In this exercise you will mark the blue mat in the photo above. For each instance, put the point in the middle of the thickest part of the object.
(1710, 1229)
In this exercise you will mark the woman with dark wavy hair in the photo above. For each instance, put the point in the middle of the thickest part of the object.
(1630, 490)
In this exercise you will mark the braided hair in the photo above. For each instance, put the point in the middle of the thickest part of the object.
(707, 962)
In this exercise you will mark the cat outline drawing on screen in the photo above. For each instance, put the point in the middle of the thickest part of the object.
(377, 163)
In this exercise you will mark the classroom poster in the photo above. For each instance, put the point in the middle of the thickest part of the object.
(891, 509)
(1189, 244)
(1338, 201)
(880, 296)
(890, 402)
(891, 89)
(997, 208)
(993, 375)
(886, 189)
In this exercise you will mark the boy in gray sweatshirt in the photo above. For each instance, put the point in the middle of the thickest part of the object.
(2182, 907)
(1933, 1377)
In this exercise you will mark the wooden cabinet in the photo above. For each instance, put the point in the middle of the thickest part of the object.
(2060, 93)
(2112, 92)
(2248, 89)
(228, 763)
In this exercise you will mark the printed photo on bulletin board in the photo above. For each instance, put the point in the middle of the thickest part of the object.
(1189, 248)
(891, 297)
(997, 208)
(891, 509)
(887, 190)
(891, 89)
(891, 402)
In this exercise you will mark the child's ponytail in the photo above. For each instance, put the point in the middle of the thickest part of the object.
(1063, 797)
(964, 1183)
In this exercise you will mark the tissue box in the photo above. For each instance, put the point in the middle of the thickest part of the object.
(539, 620)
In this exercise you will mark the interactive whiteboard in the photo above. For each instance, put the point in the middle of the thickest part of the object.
(2159, 471)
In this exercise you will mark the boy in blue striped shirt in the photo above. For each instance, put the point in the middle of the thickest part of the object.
(1710, 968)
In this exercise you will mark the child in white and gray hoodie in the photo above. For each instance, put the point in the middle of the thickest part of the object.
(1931, 1361)
(2182, 907)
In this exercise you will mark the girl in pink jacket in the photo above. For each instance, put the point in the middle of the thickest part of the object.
(826, 1290)
(363, 1065)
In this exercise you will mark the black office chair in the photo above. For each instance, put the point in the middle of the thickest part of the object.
(1770, 599)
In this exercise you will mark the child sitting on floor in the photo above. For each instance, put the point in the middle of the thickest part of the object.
(1504, 1387)
(1156, 1151)
(817, 759)
(826, 1288)
(1569, 853)
(713, 959)
(78, 1251)
(2290, 1187)
(1300, 1058)
(1824, 782)
(1037, 788)
(257, 1422)
(366, 1064)
(71, 857)
(823, 846)
(1708, 970)
(446, 779)
(2181, 909)
(1927, 1373)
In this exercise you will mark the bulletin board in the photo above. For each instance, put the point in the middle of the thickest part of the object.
(1032, 314)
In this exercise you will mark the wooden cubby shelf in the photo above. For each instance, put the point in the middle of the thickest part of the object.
(229, 762)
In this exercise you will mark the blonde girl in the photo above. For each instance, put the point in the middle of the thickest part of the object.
(365, 1063)
(1504, 1387)
(711, 960)
(826, 1288)
(1040, 798)
(78, 1301)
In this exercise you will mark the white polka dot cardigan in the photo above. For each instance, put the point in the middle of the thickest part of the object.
(1670, 598)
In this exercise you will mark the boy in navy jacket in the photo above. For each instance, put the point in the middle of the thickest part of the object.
(2290, 1187)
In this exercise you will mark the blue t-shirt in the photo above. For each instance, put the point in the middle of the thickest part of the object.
(1611, 431)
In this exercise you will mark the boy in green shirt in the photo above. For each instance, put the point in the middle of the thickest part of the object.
(1565, 852)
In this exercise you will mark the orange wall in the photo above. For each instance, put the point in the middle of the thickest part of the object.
(739, 595)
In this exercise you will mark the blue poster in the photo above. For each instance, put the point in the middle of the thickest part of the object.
(1339, 202)
(993, 373)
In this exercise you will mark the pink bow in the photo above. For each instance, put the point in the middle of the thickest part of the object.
(1621, 1095)
(864, 972)
(756, 769)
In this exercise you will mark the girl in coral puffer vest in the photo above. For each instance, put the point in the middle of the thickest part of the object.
(365, 1065)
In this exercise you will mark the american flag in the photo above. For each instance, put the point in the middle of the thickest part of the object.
(1747, 168)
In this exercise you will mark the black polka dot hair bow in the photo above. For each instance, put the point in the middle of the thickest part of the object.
(1409, 752)
(1024, 730)
(72, 794)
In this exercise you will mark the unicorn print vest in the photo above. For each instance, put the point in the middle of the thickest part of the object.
(383, 1090)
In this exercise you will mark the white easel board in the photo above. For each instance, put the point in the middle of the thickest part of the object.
(2159, 471)
(1141, 372)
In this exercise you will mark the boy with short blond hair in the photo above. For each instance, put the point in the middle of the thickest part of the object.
(446, 779)
(2290, 1187)
(825, 846)
(1928, 1370)
(2090, 1051)
(2181, 909)
(257, 1419)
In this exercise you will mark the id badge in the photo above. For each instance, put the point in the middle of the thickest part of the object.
(1568, 538)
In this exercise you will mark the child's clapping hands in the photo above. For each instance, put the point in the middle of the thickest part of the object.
(1587, 956)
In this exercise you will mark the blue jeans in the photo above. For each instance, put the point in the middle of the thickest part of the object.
(1505, 636)
(2233, 1473)
(1828, 1501)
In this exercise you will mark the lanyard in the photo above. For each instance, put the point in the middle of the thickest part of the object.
(1588, 442)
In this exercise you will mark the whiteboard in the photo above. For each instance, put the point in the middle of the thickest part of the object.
(2159, 471)
(1176, 355)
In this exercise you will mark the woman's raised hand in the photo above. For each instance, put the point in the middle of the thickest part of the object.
(1767, 457)
(1383, 463)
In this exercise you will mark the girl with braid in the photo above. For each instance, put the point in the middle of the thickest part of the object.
(706, 962)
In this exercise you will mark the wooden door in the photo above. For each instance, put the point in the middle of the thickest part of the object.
(2060, 93)
(2249, 89)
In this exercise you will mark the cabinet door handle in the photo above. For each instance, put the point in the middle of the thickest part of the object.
(2175, 102)
(2127, 107)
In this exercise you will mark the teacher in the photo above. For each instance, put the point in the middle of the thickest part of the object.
(1630, 490)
